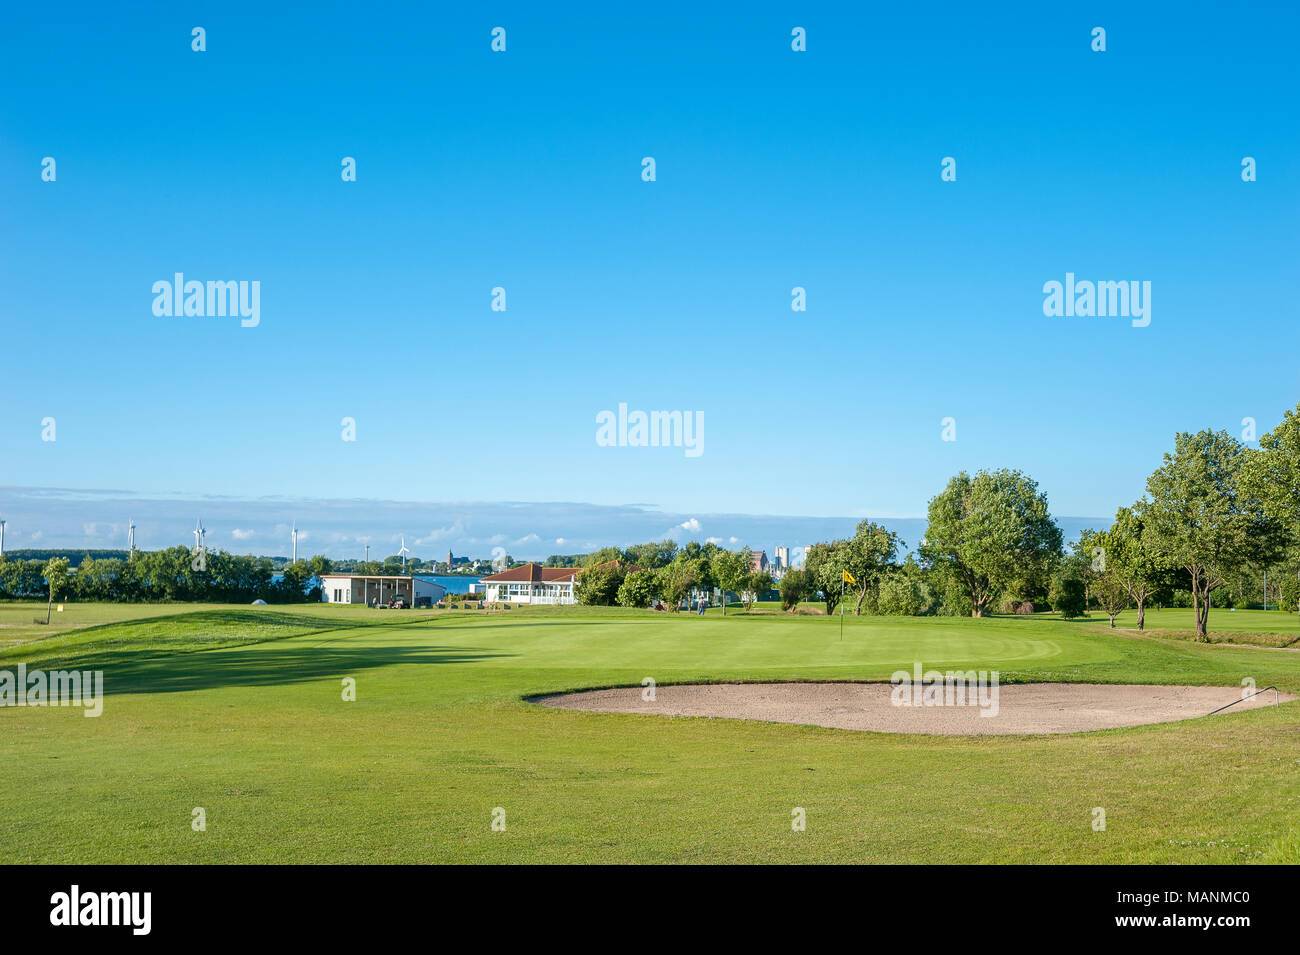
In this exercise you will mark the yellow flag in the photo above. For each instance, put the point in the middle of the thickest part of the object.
(848, 578)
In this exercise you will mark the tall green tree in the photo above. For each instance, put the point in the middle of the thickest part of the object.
(867, 555)
(1135, 559)
(795, 586)
(56, 578)
(1271, 473)
(825, 565)
(677, 580)
(990, 530)
(638, 589)
(1101, 550)
(1204, 519)
(730, 568)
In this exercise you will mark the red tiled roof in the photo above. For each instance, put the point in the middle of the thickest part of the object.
(536, 573)
(533, 573)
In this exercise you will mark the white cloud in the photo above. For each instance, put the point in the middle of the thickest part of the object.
(560, 541)
(456, 529)
(527, 539)
(714, 540)
(240, 534)
(692, 525)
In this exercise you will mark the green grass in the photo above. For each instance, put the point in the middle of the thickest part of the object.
(238, 710)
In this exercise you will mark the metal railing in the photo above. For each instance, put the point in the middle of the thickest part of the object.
(1245, 698)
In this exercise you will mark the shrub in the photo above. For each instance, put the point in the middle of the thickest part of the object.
(900, 596)
(1025, 607)
(637, 590)
(1068, 596)
(598, 586)
(796, 585)
(956, 601)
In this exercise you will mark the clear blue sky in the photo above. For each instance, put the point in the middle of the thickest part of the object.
(775, 169)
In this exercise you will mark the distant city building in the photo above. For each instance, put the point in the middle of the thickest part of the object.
(782, 558)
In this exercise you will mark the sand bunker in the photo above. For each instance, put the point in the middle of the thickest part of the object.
(1020, 708)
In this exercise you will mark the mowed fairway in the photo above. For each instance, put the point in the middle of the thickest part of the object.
(239, 711)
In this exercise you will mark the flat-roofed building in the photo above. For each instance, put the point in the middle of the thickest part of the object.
(375, 589)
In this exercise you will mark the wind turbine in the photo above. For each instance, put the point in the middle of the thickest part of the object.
(294, 535)
(2, 537)
(130, 536)
(198, 534)
(403, 552)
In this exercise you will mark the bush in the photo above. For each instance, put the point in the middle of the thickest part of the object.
(1025, 607)
(796, 585)
(956, 601)
(1068, 596)
(598, 586)
(900, 596)
(637, 590)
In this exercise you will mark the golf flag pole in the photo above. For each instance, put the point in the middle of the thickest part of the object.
(846, 578)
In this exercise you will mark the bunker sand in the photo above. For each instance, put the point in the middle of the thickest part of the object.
(1025, 708)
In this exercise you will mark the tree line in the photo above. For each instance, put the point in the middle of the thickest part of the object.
(1218, 518)
(664, 572)
(171, 574)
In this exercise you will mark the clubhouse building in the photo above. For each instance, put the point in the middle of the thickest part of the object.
(532, 584)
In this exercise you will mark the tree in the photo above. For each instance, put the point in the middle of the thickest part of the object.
(56, 577)
(597, 585)
(900, 596)
(991, 530)
(825, 565)
(730, 568)
(866, 556)
(1202, 519)
(1271, 474)
(652, 555)
(1134, 559)
(677, 580)
(795, 587)
(1067, 595)
(756, 582)
(603, 556)
(638, 589)
(320, 566)
(1102, 549)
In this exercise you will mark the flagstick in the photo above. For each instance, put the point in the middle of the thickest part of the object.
(841, 607)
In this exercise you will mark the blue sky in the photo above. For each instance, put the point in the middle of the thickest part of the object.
(522, 169)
